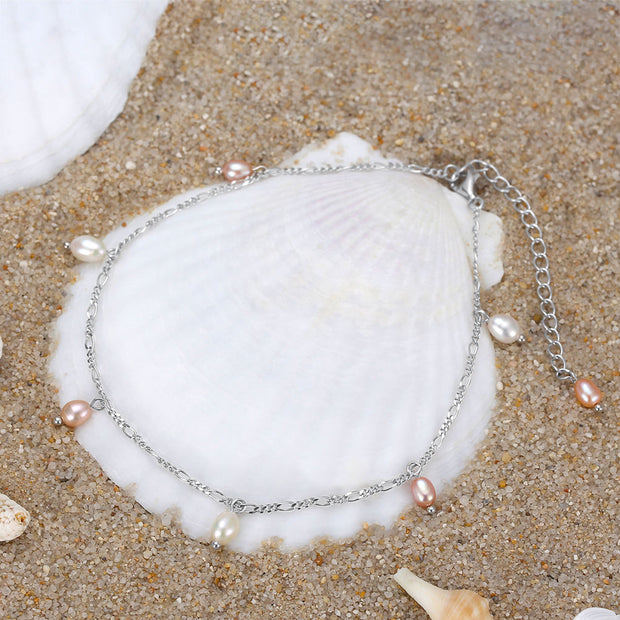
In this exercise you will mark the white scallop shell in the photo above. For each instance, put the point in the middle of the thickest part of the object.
(65, 76)
(13, 519)
(302, 336)
(597, 613)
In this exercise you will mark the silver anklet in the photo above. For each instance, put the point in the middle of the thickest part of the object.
(505, 329)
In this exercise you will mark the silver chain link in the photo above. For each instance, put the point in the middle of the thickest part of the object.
(540, 261)
(460, 180)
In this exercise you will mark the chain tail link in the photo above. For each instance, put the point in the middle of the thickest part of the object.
(540, 261)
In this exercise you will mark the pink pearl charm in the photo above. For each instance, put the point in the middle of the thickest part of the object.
(75, 412)
(236, 170)
(423, 492)
(588, 393)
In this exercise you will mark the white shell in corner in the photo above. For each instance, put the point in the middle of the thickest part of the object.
(66, 74)
(597, 613)
(13, 519)
(299, 337)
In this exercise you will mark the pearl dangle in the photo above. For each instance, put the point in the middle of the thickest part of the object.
(74, 414)
(236, 170)
(424, 494)
(87, 249)
(224, 529)
(588, 394)
(504, 328)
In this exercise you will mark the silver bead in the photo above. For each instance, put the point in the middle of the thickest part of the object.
(57, 421)
(521, 339)
(431, 510)
(215, 545)
(504, 328)
(598, 408)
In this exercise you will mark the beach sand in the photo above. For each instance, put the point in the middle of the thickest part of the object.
(533, 522)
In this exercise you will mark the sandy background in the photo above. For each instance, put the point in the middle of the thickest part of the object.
(533, 523)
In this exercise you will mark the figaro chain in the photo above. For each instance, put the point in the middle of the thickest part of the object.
(462, 181)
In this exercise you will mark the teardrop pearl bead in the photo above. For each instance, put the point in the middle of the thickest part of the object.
(423, 492)
(75, 413)
(87, 249)
(504, 328)
(587, 392)
(236, 170)
(225, 528)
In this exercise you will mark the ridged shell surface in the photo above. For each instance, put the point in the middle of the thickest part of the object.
(298, 337)
(66, 70)
(597, 613)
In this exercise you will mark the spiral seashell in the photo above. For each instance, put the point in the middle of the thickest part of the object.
(443, 604)
(13, 519)
(68, 69)
(301, 336)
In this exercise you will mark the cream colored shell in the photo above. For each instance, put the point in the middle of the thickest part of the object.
(444, 604)
(14, 519)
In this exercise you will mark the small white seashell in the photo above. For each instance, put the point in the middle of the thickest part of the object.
(597, 613)
(66, 74)
(13, 519)
(443, 604)
(299, 337)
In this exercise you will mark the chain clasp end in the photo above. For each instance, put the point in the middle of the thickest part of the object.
(467, 186)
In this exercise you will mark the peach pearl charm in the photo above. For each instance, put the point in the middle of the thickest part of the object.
(75, 413)
(423, 492)
(236, 170)
(587, 392)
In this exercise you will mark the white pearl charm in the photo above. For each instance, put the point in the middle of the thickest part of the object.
(504, 328)
(87, 249)
(224, 529)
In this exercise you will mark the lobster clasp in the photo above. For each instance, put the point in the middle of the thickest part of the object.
(467, 186)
